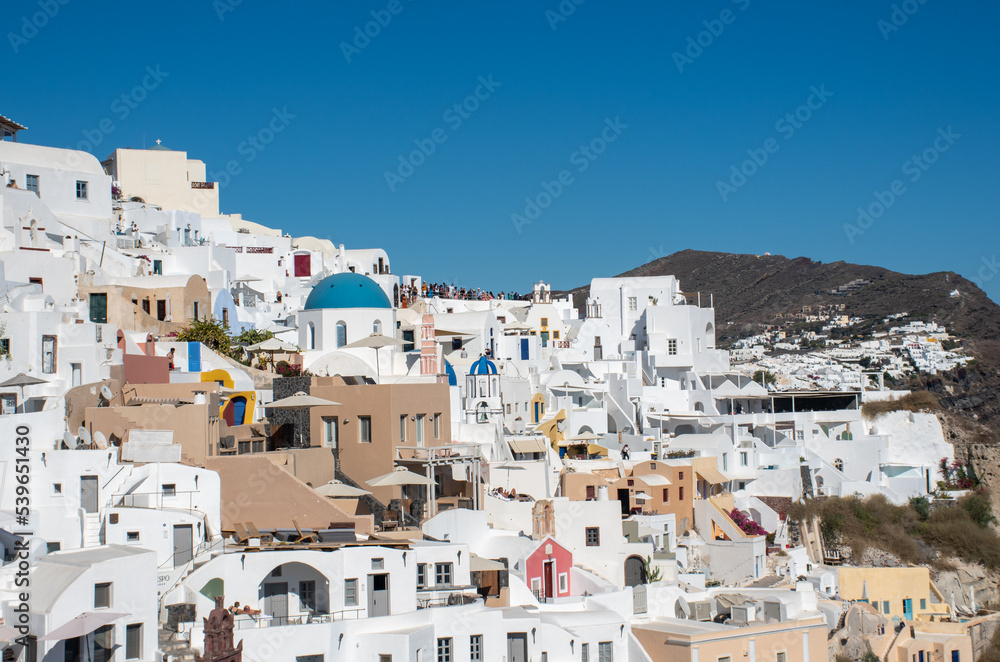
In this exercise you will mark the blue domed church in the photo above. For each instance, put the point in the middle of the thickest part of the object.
(343, 308)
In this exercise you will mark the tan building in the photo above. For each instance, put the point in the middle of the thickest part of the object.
(154, 304)
(372, 421)
(906, 593)
(677, 640)
(192, 417)
(163, 177)
(669, 484)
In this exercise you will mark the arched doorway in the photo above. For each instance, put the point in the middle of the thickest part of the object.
(635, 571)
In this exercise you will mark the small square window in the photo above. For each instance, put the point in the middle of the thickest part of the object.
(81, 190)
(593, 536)
(170, 489)
(442, 574)
(57, 488)
(132, 536)
(378, 564)
(102, 595)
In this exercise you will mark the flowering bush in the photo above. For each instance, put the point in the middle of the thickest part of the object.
(747, 525)
(956, 476)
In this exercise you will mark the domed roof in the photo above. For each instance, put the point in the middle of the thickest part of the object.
(347, 290)
(483, 367)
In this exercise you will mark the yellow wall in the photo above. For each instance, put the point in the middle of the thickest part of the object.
(893, 585)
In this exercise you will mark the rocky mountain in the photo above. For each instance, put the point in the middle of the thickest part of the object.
(751, 291)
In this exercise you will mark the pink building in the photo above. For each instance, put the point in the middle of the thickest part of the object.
(547, 570)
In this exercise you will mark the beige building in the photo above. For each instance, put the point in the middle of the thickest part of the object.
(163, 177)
(373, 421)
(192, 417)
(906, 593)
(677, 640)
(154, 304)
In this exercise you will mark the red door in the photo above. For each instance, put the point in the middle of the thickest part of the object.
(547, 578)
(303, 266)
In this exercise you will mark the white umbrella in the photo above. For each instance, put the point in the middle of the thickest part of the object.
(272, 345)
(400, 476)
(642, 496)
(376, 341)
(335, 489)
(300, 400)
(82, 625)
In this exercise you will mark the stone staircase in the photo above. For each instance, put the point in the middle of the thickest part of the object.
(174, 647)
(92, 530)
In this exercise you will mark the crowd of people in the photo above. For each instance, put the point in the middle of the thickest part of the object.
(446, 291)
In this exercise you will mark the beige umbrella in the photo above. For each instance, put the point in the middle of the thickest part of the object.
(21, 380)
(272, 345)
(335, 489)
(300, 400)
(400, 476)
(376, 341)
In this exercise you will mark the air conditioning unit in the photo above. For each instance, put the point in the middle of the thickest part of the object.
(701, 611)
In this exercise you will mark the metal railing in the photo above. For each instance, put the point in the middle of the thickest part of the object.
(266, 621)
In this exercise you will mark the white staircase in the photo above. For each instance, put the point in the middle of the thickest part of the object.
(92, 530)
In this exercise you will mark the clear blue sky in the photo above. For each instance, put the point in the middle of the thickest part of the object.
(654, 189)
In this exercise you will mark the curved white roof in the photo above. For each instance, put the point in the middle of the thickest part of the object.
(50, 157)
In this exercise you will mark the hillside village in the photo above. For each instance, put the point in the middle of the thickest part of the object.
(245, 445)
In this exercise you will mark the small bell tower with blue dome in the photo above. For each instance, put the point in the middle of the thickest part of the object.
(482, 392)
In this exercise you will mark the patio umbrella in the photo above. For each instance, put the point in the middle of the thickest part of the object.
(335, 489)
(642, 496)
(584, 438)
(300, 400)
(272, 345)
(21, 380)
(376, 341)
(82, 625)
(400, 476)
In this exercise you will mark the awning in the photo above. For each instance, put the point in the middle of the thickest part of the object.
(532, 445)
(479, 564)
(712, 475)
(82, 625)
(654, 479)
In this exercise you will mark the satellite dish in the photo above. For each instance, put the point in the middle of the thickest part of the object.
(69, 439)
(107, 393)
(84, 435)
(100, 439)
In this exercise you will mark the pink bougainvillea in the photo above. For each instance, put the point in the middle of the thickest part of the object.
(747, 525)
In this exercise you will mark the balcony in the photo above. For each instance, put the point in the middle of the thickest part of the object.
(266, 621)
